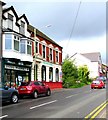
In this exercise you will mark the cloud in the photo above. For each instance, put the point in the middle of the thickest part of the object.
(96, 44)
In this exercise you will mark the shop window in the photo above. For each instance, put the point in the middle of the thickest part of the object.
(22, 46)
(8, 41)
(29, 45)
(16, 43)
(10, 21)
(22, 28)
(43, 75)
(57, 75)
(50, 74)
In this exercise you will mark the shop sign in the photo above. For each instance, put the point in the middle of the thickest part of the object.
(16, 68)
(48, 63)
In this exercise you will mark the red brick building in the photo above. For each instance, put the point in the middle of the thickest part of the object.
(47, 59)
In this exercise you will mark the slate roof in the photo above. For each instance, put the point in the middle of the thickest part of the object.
(94, 57)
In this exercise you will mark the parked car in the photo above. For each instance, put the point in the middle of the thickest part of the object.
(33, 89)
(8, 94)
(97, 84)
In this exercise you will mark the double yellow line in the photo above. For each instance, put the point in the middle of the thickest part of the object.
(96, 111)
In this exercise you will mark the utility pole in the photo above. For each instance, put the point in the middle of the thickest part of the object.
(1, 4)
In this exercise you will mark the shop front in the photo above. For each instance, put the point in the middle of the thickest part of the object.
(15, 71)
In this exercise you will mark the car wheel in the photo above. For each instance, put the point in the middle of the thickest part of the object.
(35, 94)
(14, 98)
(48, 93)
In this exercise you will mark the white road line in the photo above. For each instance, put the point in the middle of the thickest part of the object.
(71, 96)
(3, 116)
(43, 104)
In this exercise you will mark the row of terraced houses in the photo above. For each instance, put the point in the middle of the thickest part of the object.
(27, 53)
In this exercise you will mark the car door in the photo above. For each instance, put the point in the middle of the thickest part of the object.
(6, 93)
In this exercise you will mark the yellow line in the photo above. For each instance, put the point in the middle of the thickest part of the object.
(94, 110)
(98, 111)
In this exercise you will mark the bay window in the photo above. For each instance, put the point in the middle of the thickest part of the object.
(16, 43)
(29, 46)
(8, 41)
(22, 46)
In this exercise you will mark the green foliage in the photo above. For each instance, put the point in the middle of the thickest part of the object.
(83, 74)
(69, 73)
(74, 77)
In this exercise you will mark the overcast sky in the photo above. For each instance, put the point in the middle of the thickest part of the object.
(77, 26)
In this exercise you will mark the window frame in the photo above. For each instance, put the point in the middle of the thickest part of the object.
(10, 21)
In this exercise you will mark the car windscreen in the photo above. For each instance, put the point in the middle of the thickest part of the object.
(96, 82)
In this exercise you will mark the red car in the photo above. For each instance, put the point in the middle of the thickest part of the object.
(33, 89)
(97, 84)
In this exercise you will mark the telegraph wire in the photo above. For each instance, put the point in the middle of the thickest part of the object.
(74, 24)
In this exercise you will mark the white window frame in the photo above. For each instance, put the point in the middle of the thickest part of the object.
(10, 21)
(18, 40)
(58, 56)
(29, 43)
(22, 28)
(25, 43)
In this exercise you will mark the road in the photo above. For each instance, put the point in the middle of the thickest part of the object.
(65, 103)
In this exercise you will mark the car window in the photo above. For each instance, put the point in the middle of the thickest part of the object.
(96, 82)
(25, 83)
(36, 83)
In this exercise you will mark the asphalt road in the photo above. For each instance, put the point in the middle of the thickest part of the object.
(65, 103)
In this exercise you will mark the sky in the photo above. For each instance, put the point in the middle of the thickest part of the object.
(76, 25)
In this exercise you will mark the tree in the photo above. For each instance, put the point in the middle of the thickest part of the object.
(69, 73)
(83, 74)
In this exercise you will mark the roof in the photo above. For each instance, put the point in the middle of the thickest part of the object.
(39, 33)
(94, 57)
(10, 8)
(24, 16)
(2, 3)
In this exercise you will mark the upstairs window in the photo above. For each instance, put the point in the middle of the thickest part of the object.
(22, 28)
(29, 46)
(8, 41)
(36, 47)
(50, 54)
(16, 43)
(56, 56)
(10, 21)
(22, 46)
(43, 48)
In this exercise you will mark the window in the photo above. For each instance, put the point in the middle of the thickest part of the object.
(50, 74)
(43, 51)
(50, 54)
(16, 43)
(8, 41)
(57, 75)
(10, 21)
(56, 56)
(36, 47)
(29, 47)
(22, 46)
(22, 28)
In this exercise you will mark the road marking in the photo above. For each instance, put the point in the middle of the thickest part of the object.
(99, 111)
(43, 104)
(95, 110)
(3, 116)
(71, 96)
